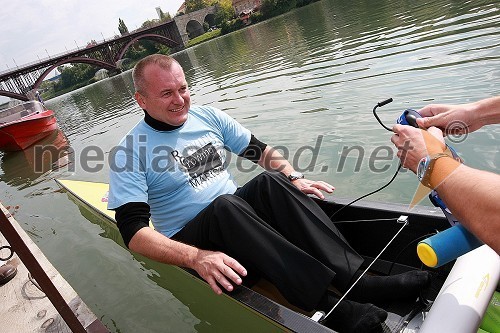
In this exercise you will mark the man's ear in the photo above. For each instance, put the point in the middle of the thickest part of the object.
(140, 100)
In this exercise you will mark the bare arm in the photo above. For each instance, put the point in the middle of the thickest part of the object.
(272, 160)
(471, 195)
(214, 267)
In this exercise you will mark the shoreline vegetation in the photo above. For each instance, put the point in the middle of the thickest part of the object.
(76, 76)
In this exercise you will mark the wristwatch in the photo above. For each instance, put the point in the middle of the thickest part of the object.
(295, 175)
(425, 166)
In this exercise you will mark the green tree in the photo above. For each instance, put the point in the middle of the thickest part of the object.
(161, 14)
(267, 8)
(122, 28)
(136, 52)
(148, 24)
(164, 17)
(225, 12)
(74, 75)
(194, 5)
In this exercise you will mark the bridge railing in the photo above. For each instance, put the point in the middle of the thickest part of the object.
(50, 57)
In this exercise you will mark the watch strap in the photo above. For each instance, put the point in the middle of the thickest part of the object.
(430, 166)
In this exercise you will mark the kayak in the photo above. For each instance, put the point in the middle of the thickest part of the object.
(456, 301)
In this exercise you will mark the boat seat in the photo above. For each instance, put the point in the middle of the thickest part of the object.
(24, 113)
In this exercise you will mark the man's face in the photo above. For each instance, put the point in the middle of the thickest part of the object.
(166, 95)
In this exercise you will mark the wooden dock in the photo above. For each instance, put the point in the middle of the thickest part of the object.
(24, 307)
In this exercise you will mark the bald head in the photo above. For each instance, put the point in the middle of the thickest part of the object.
(138, 75)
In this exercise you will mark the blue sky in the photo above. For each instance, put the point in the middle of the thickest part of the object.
(32, 29)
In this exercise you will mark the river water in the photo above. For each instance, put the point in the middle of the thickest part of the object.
(305, 82)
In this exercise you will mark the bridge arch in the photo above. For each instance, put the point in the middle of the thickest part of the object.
(189, 29)
(210, 19)
(13, 95)
(78, 60)
(194, 29)
(158, 38)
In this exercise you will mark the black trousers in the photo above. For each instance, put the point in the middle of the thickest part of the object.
(271, 227)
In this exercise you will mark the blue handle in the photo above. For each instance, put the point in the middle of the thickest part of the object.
(446, 246)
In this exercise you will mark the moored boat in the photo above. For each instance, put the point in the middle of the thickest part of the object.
(51, 153)
(457, 297)
(24, 124)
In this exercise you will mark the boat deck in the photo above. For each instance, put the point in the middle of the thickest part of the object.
(24, 307)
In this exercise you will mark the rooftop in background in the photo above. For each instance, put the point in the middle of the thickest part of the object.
(182, 8)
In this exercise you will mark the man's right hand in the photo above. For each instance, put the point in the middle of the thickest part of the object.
(217, 269)
(214, 267)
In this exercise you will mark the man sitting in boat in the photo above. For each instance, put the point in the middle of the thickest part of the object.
(172, 167)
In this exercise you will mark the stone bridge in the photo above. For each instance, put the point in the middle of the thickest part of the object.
(191, 25)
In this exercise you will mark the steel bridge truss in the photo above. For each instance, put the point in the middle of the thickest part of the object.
(19, 83)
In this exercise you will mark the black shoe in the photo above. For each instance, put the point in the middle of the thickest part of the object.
(7, 273)
(352, 317)
(380, 289)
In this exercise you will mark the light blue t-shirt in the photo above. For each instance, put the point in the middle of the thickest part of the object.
(179, 172)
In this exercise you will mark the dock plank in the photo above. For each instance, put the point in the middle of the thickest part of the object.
(24, 307)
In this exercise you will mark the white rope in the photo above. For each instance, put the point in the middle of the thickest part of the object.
(366, 270)
(370, 220)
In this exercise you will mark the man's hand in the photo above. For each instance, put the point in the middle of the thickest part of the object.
(218, 269)
(272, 160)
(214, 267)
(451, 119)
(413, 144)
(313, 187)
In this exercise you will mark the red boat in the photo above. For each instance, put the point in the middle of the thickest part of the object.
(24, 124)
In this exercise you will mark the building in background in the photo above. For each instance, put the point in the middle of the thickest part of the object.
(245, 6)
(182, 9)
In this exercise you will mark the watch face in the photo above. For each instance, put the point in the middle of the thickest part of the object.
(295, 175)
(422, 165)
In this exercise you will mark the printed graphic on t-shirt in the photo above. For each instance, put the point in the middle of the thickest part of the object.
(202, 165)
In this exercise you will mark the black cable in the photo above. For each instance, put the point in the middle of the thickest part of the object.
(379, 104)
(364, 196)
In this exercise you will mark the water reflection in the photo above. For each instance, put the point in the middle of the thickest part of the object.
(98, 104)
(30, 166)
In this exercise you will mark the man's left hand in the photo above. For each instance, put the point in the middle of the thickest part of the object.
(414, 143)
(313, 187)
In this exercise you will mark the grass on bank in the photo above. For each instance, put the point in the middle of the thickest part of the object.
(206, 36)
